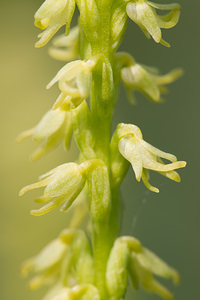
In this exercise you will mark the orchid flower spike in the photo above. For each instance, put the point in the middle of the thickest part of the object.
(147, 80)
(144, 157)
(143, 13)
(51, 16)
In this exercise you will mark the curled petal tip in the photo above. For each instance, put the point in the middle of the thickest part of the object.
(23, 191)
(35, 213)
(181, 164)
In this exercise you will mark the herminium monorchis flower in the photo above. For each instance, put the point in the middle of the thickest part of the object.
(66, 47)
(55, 126)
(147, 80)
(143, 13)
(129, 258)
(63, 185)
(144, 157)
(46, 265)
(74, 81)
(60, 262)
(51, 16)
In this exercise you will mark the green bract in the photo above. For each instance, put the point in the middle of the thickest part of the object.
(97, 265)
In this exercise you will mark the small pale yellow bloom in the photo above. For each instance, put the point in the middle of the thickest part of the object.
(143, 13)
(46, 264)
(74, 81)
(51, 16)
(55, 126)
(144, 157)
(147, 80)
(64, 47)
(62, 185)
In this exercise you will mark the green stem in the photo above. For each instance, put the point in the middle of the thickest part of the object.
(105, 228)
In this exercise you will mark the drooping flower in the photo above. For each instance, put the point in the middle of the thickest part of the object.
(46, 265)
(63, 185)
(61, 264)
(51, 16)
(128, 258)
(147, 80)
(55, 126)
(66, 47)
(74, 81)
(144, 157)
(143, 266)
(143, 13)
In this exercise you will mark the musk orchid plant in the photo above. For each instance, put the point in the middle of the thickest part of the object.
(96, 263)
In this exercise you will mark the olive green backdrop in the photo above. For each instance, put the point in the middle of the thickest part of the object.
(167, 223)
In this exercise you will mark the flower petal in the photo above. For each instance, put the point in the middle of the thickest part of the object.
(50, 123)
(144, 15)
(48, 207)
(50, 255)
(158, 152)
(36, 185)
(128, 148)
(147, 184)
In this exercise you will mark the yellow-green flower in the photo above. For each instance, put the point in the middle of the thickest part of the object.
(147, 80)
(128, 258)
(64, 263)
(46, 265)
(63, 185)
(144, 157)
(55, 126)
(74, 81)
(143, 13)
(51, 16)
(66, 47)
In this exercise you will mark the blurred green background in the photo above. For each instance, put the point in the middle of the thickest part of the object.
(167, 223)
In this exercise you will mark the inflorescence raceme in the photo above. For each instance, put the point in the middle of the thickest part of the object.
(96, 264)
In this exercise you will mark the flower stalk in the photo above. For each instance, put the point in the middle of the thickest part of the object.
(97, 265)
